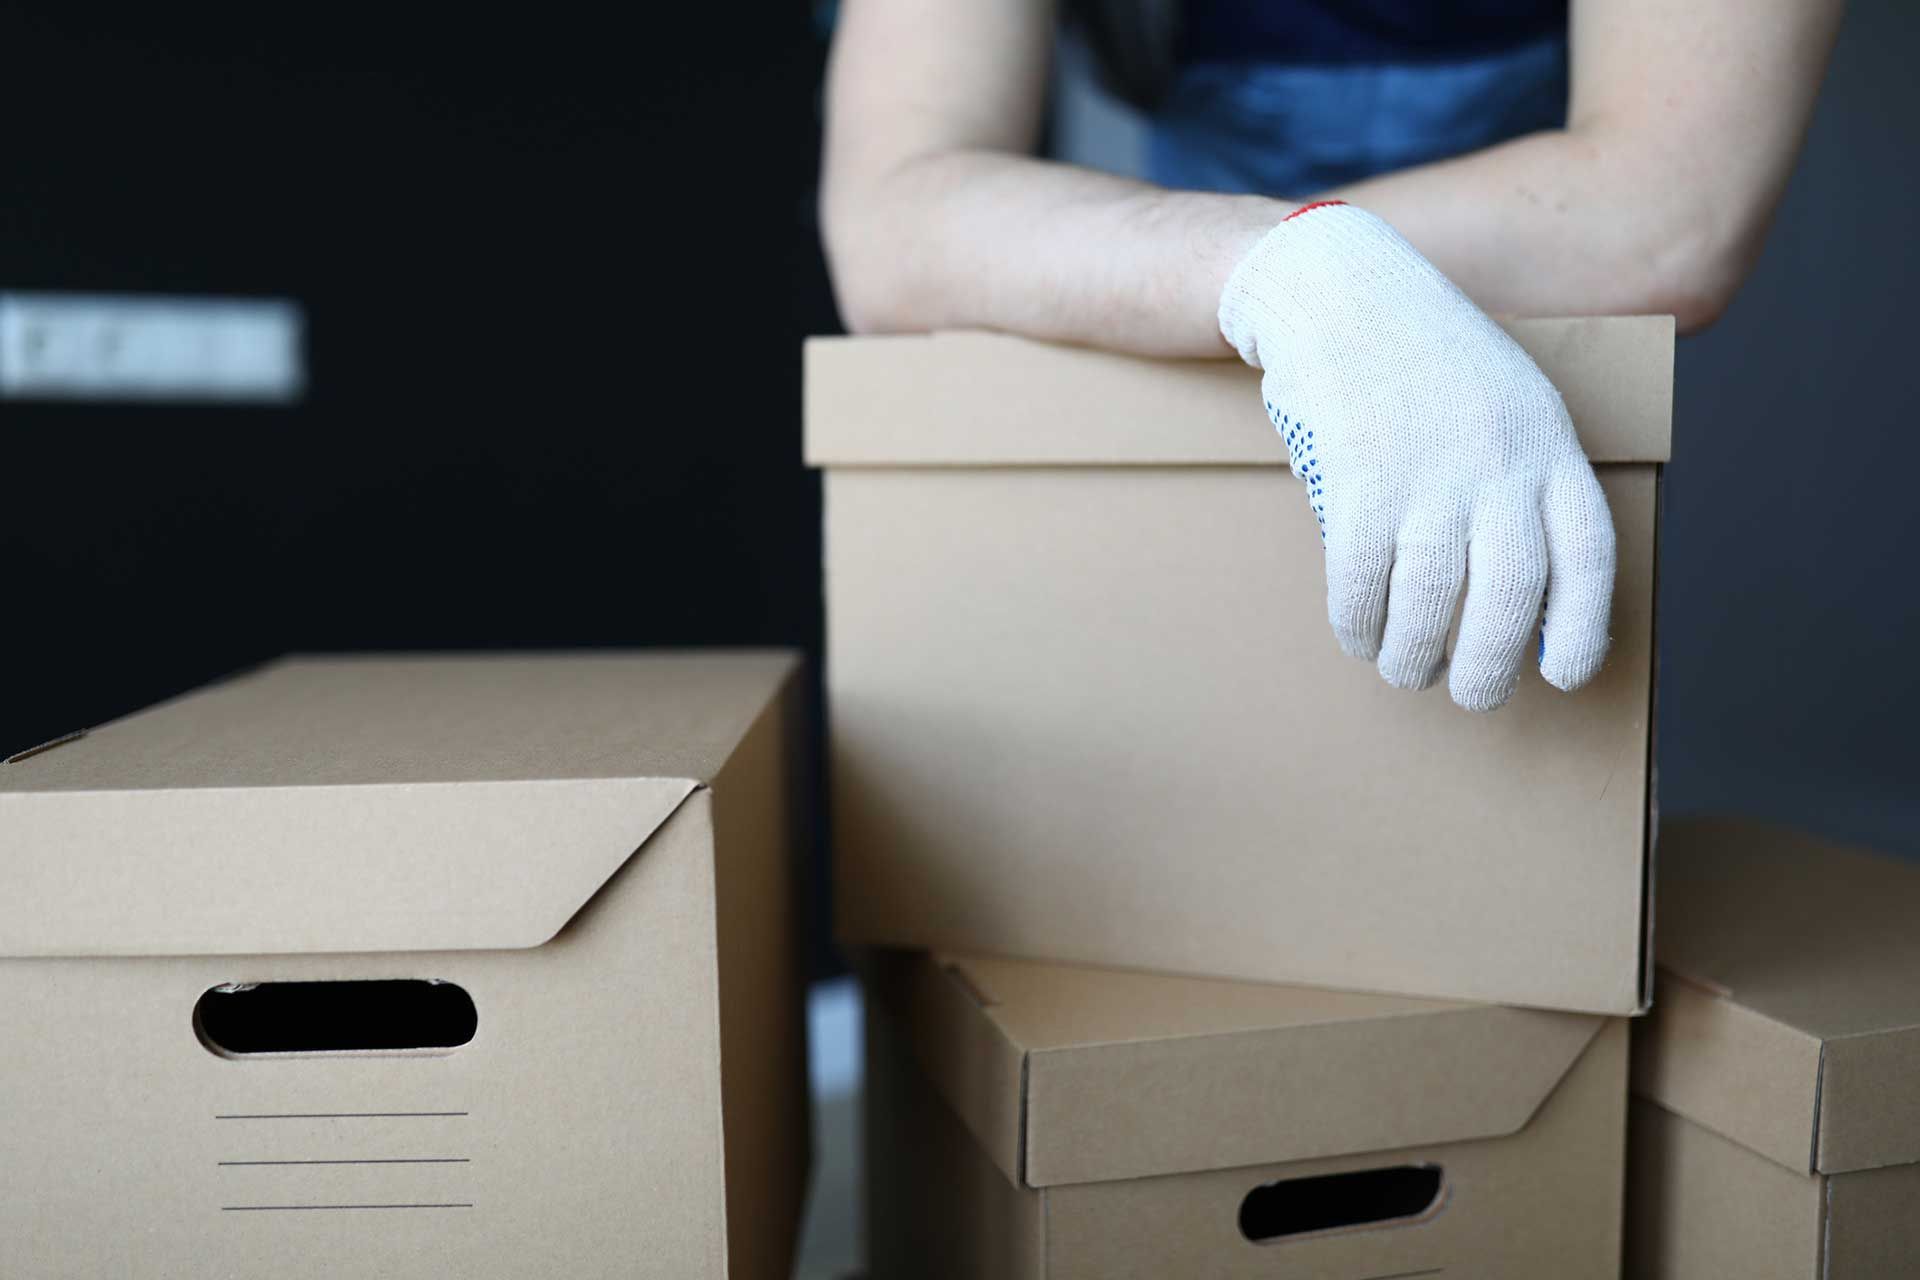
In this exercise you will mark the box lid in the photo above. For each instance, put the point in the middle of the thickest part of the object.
(364, 804)
(984, 399)
(1787, 1011)
(1068, 1074)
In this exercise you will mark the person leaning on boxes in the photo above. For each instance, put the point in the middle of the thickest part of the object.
(1546, 158)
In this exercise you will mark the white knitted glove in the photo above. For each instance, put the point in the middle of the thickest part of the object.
(1433, 450)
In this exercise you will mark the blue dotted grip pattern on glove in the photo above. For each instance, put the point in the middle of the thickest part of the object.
(1306, 464)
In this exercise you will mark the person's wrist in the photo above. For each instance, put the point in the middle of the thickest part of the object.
(1310, 267)
(1255, 218)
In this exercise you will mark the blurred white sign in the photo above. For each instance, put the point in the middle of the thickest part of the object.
(76, 346)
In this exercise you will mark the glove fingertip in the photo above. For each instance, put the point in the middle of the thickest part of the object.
(1570, 665)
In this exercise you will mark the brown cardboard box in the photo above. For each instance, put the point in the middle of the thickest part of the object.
(593, 850)
(1039, 1122)
(1776, 1123)
(1086, 705)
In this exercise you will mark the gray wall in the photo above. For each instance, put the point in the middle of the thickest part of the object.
(1790, 553)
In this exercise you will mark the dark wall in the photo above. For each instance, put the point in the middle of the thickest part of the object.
(1790, 617)
(556, 266)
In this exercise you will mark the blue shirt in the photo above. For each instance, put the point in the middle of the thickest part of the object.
(1293, 97)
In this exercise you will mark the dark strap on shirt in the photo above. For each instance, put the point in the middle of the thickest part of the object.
(1140, 45)
(1345, 32)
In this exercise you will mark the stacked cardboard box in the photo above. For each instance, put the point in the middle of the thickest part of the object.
(1033, 1121)
(414, 968)
(1776, 1116)
(1086, 705)
(1086, 712)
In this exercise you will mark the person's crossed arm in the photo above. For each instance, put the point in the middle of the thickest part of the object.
(1434, 453)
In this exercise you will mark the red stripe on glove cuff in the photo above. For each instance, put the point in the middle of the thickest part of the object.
(1308, 208)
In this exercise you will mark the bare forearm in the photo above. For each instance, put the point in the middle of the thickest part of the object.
(982, 239)
(1568, 223)
(1682, 129)
(937, 216)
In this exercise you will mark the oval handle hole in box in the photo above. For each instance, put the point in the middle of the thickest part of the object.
(1340, 1201)
(384, 1015)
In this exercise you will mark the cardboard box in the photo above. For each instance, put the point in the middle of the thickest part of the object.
(581, 863)
(1086, 705)
(1776, 1123)
(1038, 1122)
